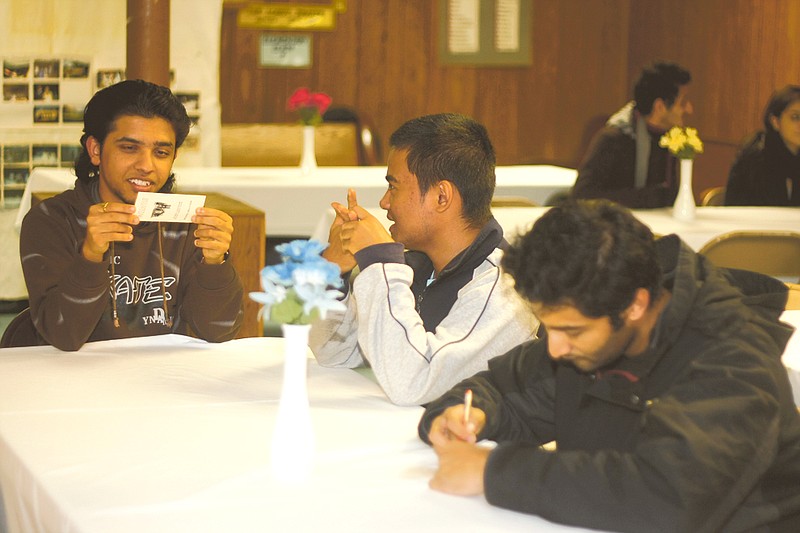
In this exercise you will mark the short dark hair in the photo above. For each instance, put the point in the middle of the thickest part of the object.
(778, 102)
(659, 80)
(454, 148)
(128, 98)
(589, 254)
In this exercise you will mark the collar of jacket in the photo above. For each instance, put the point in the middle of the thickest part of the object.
(489, 238)
(434, 301)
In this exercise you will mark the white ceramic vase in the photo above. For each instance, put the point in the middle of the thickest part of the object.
(684, 207)
(308, 158)
(292, 453)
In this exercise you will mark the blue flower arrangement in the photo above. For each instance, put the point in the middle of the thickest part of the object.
(297, 290)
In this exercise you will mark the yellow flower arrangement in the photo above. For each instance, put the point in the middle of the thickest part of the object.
(683, 143)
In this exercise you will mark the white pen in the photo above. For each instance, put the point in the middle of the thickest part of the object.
(467, 405)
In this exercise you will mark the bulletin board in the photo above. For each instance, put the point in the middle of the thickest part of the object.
(485, 32)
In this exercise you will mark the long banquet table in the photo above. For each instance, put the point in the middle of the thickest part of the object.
(709, 223)
(168, 434)
(292, 201)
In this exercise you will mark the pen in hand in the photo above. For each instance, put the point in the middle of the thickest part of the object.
(467, 405)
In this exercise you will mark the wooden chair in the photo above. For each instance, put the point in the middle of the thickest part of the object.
(793, 300)
(775, 253)
(279, 145)
(369, 146)
(512, 201)
(713, 196)
(711, 168)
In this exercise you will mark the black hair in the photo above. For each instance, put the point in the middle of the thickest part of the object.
(589, 254)
(659, 80)
(128, 98)
(778, 102)
(453, 148)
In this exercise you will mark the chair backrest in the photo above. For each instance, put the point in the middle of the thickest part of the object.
(512, 201)
(713, 196)
(21, 332)
(711, 168)
(793, 299)
(590, 129)
(280, 145)
(775, 253)
(370, 152)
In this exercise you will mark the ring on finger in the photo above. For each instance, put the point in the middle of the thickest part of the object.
(105, 207)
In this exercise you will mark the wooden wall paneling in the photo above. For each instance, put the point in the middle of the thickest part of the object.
(738, 51)
(371, 98)
(591, 70)
(382, 60)
(336, 59)
(240, 98)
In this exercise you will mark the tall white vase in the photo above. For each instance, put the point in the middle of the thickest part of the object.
(684, 207)
(308, 157)
(292, 453)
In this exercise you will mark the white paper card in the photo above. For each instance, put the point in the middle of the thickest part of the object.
(167, 207)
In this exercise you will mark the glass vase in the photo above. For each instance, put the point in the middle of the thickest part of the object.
(308, 157)
(292, 453)
(684, 207)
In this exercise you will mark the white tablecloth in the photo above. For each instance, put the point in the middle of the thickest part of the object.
(710, 222)
(293, 202)
(169, 434)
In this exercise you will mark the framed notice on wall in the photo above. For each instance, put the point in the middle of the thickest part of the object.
(485, 32)
(279, 50)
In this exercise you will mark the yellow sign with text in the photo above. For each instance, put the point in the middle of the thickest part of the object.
(287, 17)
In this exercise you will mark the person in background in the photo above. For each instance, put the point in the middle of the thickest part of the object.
(425, 318)
(659, 378)
(93, 270)
(767, 169)
(625, 163)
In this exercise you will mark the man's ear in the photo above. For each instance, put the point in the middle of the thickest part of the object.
(445, 194)
(93, 148)
(639, 305)
(659, 108)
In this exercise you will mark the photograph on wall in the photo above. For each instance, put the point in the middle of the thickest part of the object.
(69, 153)
(191, 101)
(72, 113)
(74, 68)
(45, 114)
(44, 155)
(15, 153)
(15, 92)
(45, 92)
(109, 77)
(16, 69)
(46, 68)
(15, 177)
(12, 198)
(192, 142)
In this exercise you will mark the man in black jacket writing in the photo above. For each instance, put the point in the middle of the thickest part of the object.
(659, 378)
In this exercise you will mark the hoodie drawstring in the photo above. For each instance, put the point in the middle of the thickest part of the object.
(163, 283)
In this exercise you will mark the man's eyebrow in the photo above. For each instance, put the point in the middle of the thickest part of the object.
(137, 141)
(391, 179)
(566, 328)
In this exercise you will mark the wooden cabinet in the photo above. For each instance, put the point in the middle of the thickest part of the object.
(247, 252)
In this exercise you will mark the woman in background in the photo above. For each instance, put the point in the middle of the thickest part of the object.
(767, 169)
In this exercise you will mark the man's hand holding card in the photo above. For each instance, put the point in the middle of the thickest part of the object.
(167, 207)
(214, 227)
